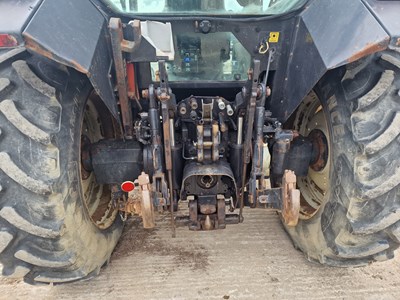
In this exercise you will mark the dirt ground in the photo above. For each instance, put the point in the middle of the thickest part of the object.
(253, 260)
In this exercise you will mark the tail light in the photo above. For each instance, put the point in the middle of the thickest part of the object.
(128, 186)
(7, 41)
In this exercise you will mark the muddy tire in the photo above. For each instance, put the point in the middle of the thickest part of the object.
(46, 231)
(350, 208)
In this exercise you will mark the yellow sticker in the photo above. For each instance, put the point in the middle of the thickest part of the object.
(273, 37)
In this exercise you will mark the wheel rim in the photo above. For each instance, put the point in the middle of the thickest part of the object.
(310, 121)
(97, 198)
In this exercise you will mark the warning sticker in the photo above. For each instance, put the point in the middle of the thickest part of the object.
(273, 37)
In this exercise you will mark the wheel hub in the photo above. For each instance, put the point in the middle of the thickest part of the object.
(96, 197)
(310, 121)
(320, 150)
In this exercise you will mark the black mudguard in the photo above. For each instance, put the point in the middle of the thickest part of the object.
(387, 12)
(330, 34)
(14, 15)
(75, 33)
(327, 35)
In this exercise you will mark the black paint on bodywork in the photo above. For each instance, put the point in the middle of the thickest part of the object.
(75, 33)
(323, 36)
(387, 13)
(14, 16)
(328, 34)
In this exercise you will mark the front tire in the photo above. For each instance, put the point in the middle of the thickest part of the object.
(47, 233)
(351, 207)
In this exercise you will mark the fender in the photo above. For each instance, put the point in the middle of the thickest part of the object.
(14, 15)
(329, 34)
(387, 14)
(74, 33)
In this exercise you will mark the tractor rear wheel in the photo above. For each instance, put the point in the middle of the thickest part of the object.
(56, 223)
(350, 203)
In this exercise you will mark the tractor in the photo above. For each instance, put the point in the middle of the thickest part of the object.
(209, 105)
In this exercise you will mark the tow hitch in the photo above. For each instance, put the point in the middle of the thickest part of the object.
(285, 200)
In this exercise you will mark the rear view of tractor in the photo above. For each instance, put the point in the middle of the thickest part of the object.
(285, 105)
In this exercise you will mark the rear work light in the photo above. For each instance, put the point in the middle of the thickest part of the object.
(7, 41)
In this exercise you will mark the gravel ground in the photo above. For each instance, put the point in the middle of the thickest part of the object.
(253, 260)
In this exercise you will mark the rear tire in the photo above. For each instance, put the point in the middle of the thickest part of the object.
(46, 232)
(356, 220)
